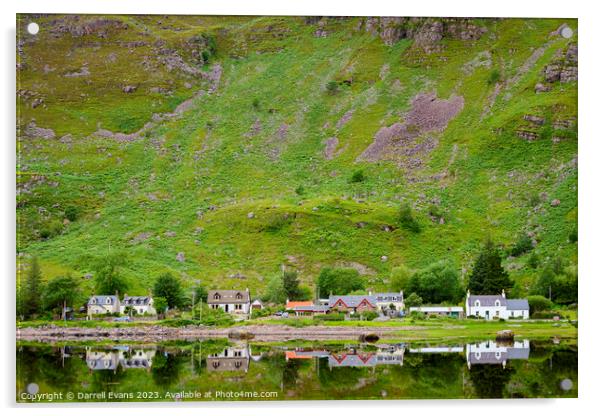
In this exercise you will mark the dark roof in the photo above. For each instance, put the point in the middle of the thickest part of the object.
(389, 297)
(351, 301)
(486, 300)
(352, 360)
(136, 300)
(518, 304)
(228, 296)
(311, 308)
(518, 353)
(489, 357)
(102, 300)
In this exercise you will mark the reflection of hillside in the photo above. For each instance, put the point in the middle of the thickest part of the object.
(384, 354)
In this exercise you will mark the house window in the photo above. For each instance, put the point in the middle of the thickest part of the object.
(477, 303)
(512, 314)
(108, 300)
(497, 303)
(238, 306)
(238, 296)
(216, 296)
(497, 313)
(477, 313)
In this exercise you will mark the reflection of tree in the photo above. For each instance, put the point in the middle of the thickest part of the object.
(166, 369)
(340, 377)
(103, 379)
(490, 380)
(47, 365)
(290, 373)
(434, 375)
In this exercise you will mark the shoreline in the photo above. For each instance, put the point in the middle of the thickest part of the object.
(279, 332)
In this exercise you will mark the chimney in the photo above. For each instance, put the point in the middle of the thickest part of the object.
(503, 293)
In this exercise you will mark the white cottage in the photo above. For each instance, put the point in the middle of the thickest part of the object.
(102, 305)
(496, 307)
(389, 303)
(235, 302)
(143, 305)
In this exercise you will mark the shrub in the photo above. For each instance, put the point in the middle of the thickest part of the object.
(533, 261)
(71, 213)
(332, 87)
(335, 316)
(50, 229)
(573, 235)
(406, 219)
(494, 77)
(358, 176)
(522, 245)
(256, 104)
(538, 303)
(300, 190)
(369, 315)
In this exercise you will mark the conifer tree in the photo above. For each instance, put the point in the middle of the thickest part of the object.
(488, 277)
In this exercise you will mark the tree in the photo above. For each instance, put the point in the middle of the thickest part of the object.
(169, 287)
(339, 281)
(31, 292)
(160, 304)
(400, 277)
(406, 219)
(200, 294)
(108, 278)
(413, 300)
(488, 276)
(358, 176)
(290, 281)
(275, 291)
(61, 291)
(439, 282)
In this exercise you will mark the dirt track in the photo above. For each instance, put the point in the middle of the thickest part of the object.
(159, 333)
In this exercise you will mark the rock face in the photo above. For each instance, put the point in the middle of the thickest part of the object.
(426, 32)
(564, 68)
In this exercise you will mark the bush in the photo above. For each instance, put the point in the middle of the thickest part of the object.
(71, 213)
(546, 315)
(369, 315)
(406, 219)
(494, 77)
(179, 323)
(573, 235)
(522, 245)
(300, 190)
(358, 176)
(538, 303)
(335, 316)
(332, 87)
(50, 229)
(256, 104)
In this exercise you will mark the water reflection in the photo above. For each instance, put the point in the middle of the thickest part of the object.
(306, 371)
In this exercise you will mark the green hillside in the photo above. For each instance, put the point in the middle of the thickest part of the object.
(221, 148)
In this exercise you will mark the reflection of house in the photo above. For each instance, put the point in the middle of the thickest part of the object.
(141, 304)
(389, 303)
(491, 352)
(124, 357)
(451, 311)
(496, 307)
(230, 359)
(352, 303)
(137, 359)
(236, 302)
(301, 354)
(384, 356)
(102, 360)
(436, 350)
(101, 305)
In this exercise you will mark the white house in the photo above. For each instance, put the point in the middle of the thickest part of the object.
(102, 305)
(235, 302)
(452, 311)
(141, 304)
(389, 302)
(496, 307)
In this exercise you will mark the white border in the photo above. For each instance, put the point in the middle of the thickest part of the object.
(590, 200)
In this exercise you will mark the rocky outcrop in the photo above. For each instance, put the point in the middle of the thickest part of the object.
(426, 32)
(564, 68)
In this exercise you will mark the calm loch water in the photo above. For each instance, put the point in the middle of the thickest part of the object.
(218, 370)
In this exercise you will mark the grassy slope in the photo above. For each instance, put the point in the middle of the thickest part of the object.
(206, 160)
